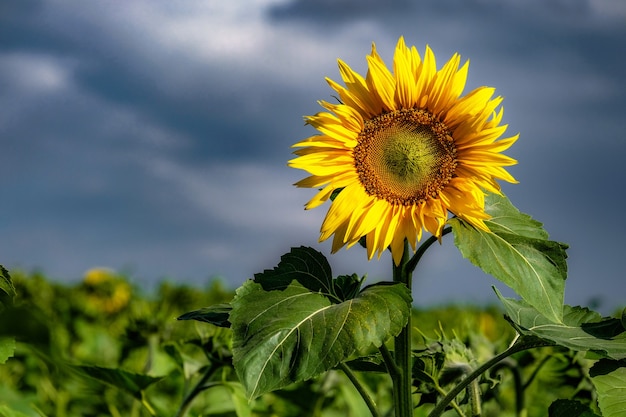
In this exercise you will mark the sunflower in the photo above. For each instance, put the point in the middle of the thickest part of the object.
(105, 291)
(402, 150)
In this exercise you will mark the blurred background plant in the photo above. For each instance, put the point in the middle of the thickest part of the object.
(102, 347)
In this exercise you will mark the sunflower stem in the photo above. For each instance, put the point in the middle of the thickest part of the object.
(402, 380)
(412, 263)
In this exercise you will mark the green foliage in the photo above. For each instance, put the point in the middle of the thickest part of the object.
(581, 328)
(7, 412)
(609, 378)
(72, 350)
(7, 294)
(586, 331)
(568, 408)
(62, 329)
(293, 323)
(217, 314)
(518, 253)
(131, 382)
(310, 269)
(7, 348)
(7, 289)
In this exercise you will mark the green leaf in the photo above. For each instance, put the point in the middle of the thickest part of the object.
(304, 265)
(569, 408)
(7, 289)
(173, 351)
(129, 382)
(581, 329)
(7, 348)
(609, 379)
(368, 363)
(506, 218)
(27, 324)
(238, 397)
(428, 363)
(347, 286)
(290, 335)
(216, 314)
(5, 411)
(518, 253)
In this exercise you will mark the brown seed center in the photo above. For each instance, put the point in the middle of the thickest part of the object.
(405, 156)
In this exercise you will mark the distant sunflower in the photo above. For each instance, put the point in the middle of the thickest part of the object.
(404, 149)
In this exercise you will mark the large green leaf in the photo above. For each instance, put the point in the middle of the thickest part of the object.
(517, 252)
(581, 329)
(289, 335)
(609, 378)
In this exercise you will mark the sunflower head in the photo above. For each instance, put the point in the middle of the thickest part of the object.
(406, 149)
(105, 291)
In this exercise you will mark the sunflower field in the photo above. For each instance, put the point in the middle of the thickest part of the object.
(102, 347)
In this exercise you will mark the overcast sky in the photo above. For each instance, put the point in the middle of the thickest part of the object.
(152, 136)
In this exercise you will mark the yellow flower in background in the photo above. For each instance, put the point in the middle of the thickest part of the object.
(404, 149)
(106, 291)
(99, 275)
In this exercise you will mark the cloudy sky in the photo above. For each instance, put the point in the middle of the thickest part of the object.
(152, 137)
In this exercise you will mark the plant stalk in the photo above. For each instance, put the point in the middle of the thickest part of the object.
(520, 345)
(371, 405)
(402, 380)
(198, 388)
(411, 264)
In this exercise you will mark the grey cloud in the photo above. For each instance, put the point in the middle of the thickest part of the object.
(130, 73)
(135, 157)
(324, 11)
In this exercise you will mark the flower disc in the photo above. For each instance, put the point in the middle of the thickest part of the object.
(404, 157)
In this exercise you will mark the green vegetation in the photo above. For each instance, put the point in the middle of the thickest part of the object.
(103, 348)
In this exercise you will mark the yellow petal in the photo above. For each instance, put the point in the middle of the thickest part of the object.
(380, 81)
(405, 97)
(425, 73)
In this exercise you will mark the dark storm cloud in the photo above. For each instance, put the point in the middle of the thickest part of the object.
(322, 11)
(513, 30)
(94, 171)
(134, 73)
(156, 136)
